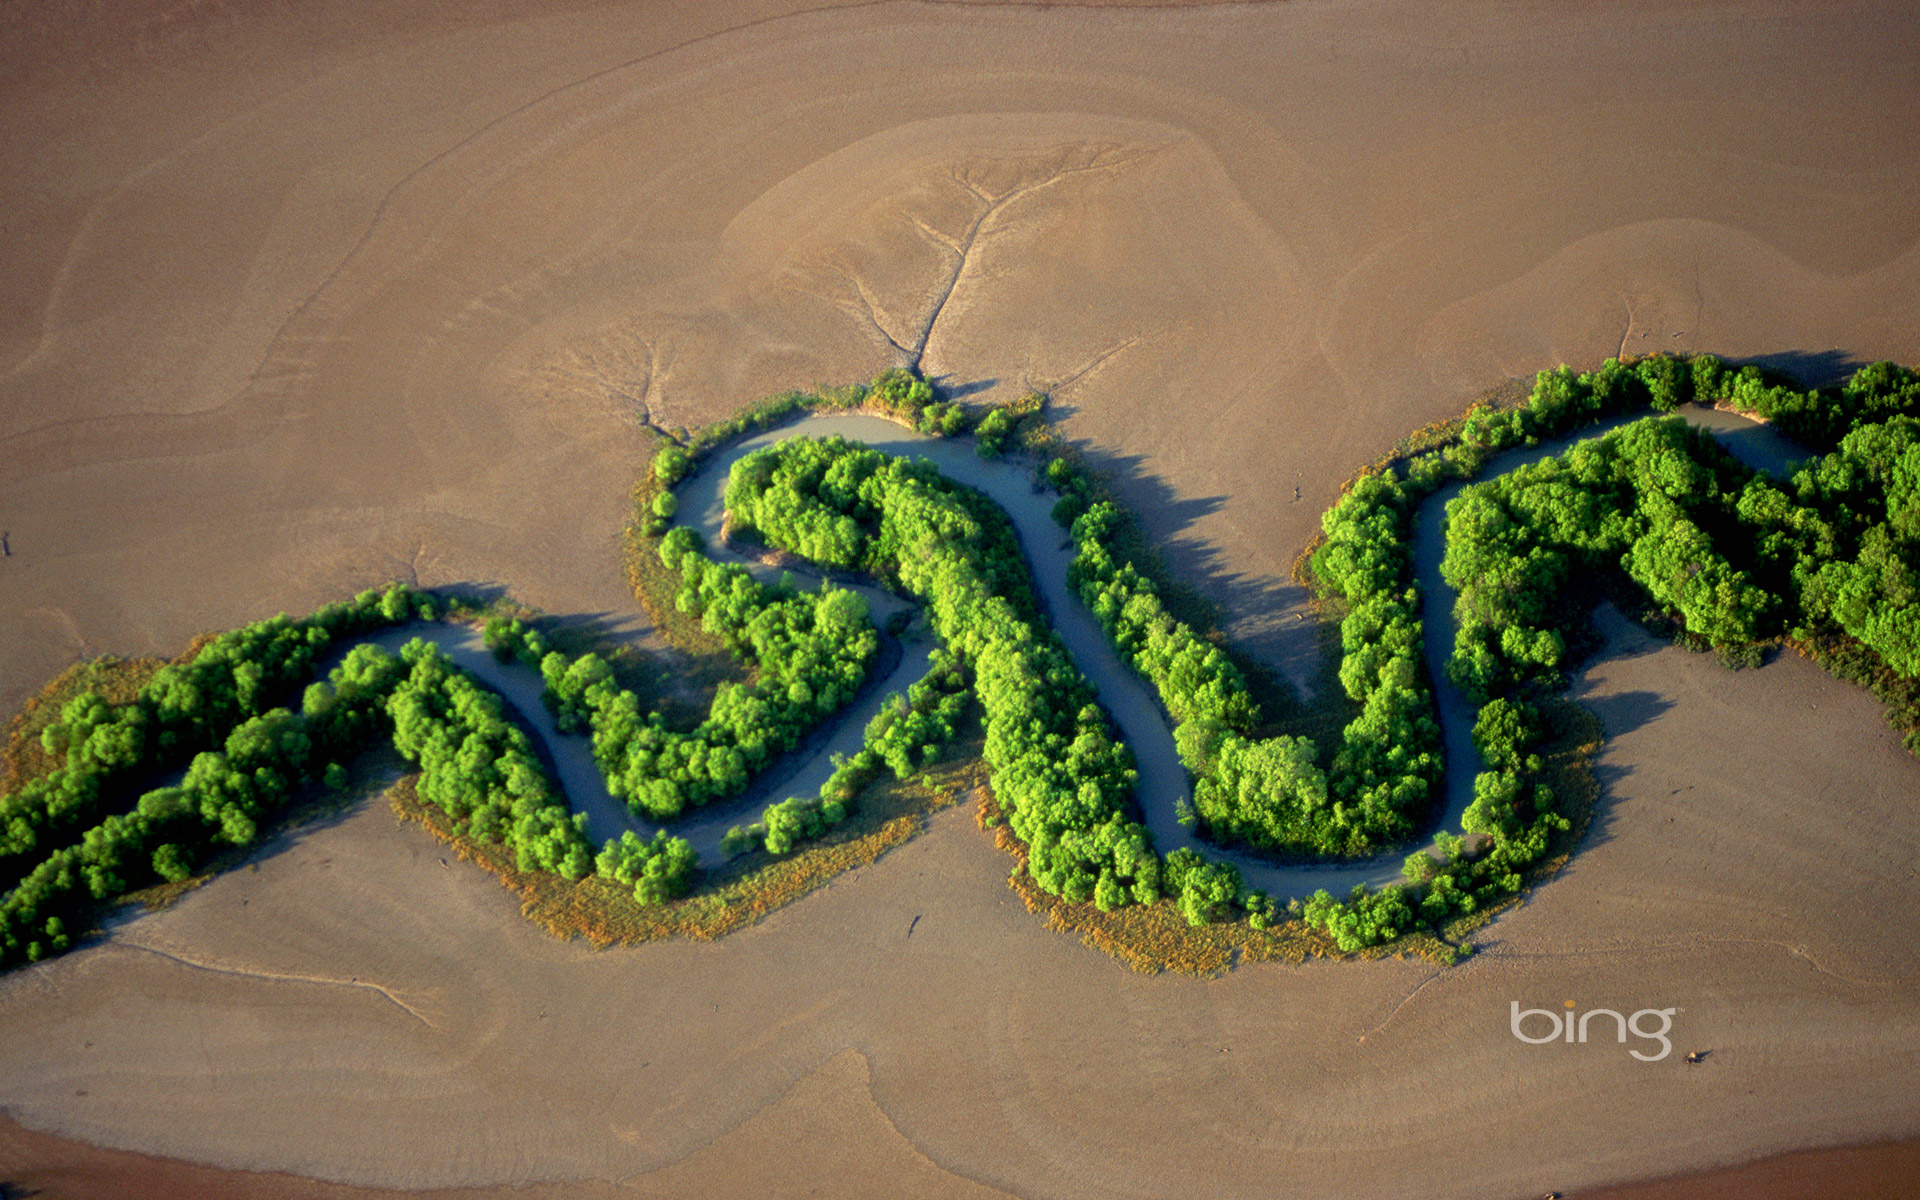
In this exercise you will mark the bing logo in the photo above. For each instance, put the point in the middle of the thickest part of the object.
(1550, 1026)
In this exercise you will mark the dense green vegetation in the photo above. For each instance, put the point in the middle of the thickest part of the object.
(83, 834)
(810, 653)
(1733, 559)
(908, 734)
(1272, 793)
(1847, 540)
(150, 789)
(1378, 784)
(1830, 558)
(185, 709)
(1738, 558)
(657, 868)
(233, 716)
(1056, 769)
(474, 762)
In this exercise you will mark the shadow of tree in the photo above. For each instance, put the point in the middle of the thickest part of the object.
(1807, 368)
(1267, 621)
(1626, 711)
(677, 683)
(945, 389)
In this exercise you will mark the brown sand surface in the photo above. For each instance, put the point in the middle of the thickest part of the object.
(55, 1168)
(356, 1010)
(301, 298)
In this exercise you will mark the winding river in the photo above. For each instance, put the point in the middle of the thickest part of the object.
(1162, 785)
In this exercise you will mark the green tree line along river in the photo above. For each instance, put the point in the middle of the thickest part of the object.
(1123, 745)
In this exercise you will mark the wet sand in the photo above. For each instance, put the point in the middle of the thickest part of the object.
(297, 303)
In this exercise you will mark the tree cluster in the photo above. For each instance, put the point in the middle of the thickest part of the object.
(83, 835)
(810, 653)
(1272, 793)
(907, 734)
(1848, 537)
(658, 869)
(1734, 558)
(1830, 556)
(187, 707)
(1649, 499)
(479, 767)
(1055, 766)
(1391, 753)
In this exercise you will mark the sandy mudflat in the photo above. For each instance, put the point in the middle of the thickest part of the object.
(296, 303)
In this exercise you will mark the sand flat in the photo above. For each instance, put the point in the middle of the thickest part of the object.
(297, 304)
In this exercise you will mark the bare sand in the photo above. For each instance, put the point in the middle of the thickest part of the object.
(297, 302)
(55, 1168)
